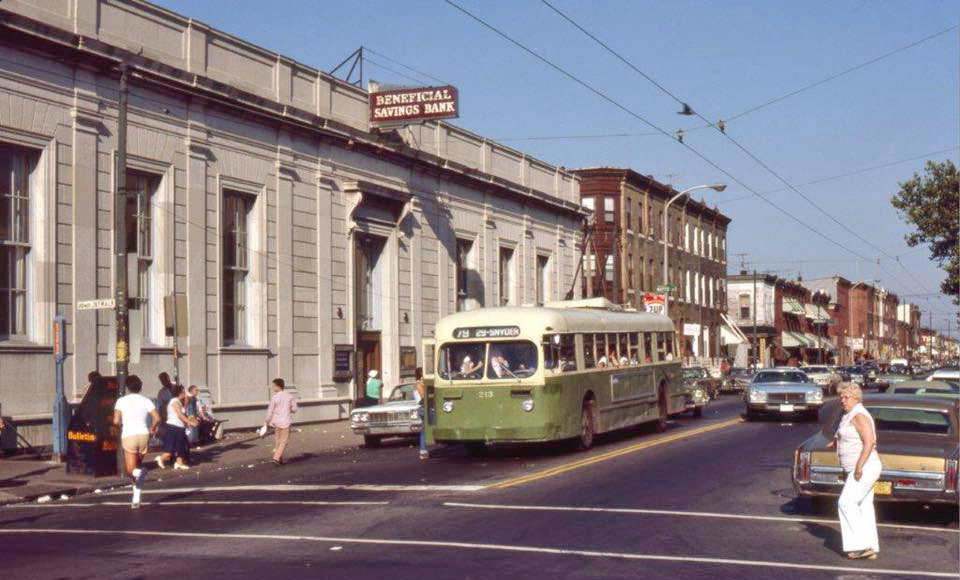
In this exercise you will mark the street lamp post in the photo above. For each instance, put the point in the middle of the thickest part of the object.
(666, 236)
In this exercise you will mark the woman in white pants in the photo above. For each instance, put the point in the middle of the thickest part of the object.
(856, 442)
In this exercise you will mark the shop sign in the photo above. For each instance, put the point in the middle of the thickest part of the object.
(408, 361)
(654, 303)
(855, 343)
(691, 329)
(414, 105)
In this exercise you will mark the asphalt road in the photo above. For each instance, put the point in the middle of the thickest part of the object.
(710, 498)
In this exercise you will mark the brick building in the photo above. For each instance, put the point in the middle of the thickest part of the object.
(624, 257)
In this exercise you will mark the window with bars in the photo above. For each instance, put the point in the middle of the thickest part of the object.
(236, 214)
(139, 217)
(16, 167)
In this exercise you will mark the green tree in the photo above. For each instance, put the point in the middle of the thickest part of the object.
(931, 203)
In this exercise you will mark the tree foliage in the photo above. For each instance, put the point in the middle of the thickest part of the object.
(931, 203)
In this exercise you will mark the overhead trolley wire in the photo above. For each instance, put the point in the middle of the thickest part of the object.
(639, 117)
(743, 148)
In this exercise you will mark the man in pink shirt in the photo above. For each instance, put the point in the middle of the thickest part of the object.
(279, 416)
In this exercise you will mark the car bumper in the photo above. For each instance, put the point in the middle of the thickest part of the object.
(399, 430)
(784, 408)
(898, 493)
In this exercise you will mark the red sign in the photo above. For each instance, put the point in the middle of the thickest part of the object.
(654, 303)
(421, 104)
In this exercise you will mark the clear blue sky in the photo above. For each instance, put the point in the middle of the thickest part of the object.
(723, 58)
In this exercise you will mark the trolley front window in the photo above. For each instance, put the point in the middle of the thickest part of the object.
(505, 360)
(512, 360)
(462, 361)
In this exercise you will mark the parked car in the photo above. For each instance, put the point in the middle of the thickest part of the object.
(700, 377)
(917, 438)
(945, 374)
(736, 381)
(697, 399)
(824, 377)
(782, 391)
(841, 372)
(885, 380)
(926, 388)
(399, 416)
(855, 374)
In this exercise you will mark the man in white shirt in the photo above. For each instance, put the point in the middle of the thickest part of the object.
(131, 412)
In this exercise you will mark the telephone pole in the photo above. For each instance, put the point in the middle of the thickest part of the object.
(120, 240)
(753, 340)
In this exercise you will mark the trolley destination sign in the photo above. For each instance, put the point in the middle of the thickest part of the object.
(486, 332)
(414, 105)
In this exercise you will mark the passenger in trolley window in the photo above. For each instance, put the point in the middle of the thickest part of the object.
(468, 368)
(499, 365)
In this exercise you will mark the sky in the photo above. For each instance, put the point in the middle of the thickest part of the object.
(885, 98)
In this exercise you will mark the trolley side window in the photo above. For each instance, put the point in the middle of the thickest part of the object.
(589, 361)
(648, 347)
(568, 352)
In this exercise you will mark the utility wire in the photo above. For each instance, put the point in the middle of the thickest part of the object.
(639, 117)
(409, 68)
(394, 71)
(739, 145)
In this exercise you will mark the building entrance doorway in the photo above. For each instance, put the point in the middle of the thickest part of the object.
(368, 358)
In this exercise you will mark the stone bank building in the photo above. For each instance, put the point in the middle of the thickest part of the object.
(307, 244)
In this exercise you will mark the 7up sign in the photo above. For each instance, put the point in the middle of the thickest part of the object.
(654, 303)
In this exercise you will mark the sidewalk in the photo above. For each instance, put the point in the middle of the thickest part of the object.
(27, 478)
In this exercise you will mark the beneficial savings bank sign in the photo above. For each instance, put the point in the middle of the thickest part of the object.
(414, 105)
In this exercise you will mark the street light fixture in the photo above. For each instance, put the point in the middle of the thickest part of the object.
(666, 236)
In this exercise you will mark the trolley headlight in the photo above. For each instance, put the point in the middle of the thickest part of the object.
(758, 396)
(527, 405)
(815, 396)
(448, 406)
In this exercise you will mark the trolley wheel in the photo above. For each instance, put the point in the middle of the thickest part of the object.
(371, 440)
(698, 412)
(588, 427)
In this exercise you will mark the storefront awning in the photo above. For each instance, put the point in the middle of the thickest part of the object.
(793, 306)
(821, 343)
(730, 333)
(790, 339)
(816, 313)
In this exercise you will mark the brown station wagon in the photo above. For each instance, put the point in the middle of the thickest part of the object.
(917, 438)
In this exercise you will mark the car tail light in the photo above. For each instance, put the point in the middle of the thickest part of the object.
(803, 467)
(951, 479)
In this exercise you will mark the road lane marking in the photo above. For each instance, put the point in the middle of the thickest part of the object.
(195, 503)
(639, 511)
(612, 454)
(296, 487)
(489, 547)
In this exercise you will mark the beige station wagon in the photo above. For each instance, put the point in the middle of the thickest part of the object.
(917, 438)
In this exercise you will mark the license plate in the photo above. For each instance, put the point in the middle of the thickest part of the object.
(786, 408)
(883, 487)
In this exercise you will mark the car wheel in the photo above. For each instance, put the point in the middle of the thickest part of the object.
(587, 425)
(751, 415)
(371, 440)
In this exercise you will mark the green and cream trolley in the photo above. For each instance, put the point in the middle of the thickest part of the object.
(568, 370)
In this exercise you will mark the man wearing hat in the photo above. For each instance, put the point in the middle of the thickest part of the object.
(373, 390)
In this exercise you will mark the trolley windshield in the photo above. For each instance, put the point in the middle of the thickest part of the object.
(495, 360)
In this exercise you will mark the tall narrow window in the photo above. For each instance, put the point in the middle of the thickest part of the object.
(236, 213)
(139, 217)
(608, 268)
(16, 166)
(543, 279)
(608, 209)
(506, 277)
(464, 251)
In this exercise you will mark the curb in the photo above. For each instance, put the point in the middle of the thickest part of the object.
(106, 484)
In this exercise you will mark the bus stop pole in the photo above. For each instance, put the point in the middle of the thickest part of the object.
(60, 409)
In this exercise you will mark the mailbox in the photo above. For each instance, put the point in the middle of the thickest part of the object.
(92, 438)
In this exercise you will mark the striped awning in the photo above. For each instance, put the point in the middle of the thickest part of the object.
(793, 306)
(816, 313)
(791, 339)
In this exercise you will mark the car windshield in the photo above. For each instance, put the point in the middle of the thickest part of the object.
(904, 420)
(402, 393)
(692, 373)
(779, 377)
(512, 360)
(809, 370)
